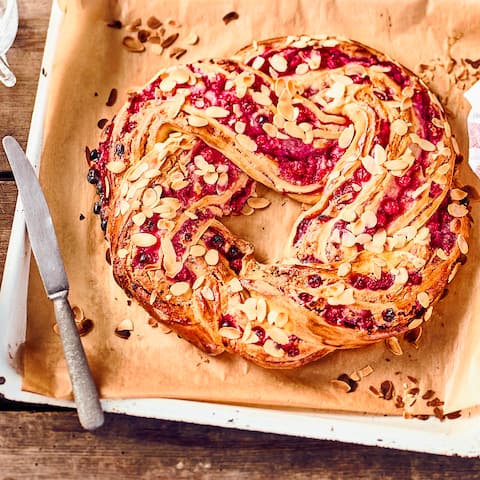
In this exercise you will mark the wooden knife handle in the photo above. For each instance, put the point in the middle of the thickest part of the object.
(85, 392)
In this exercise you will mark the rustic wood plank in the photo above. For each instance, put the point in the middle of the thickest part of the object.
(53, 446)
(8, 197)
(25, 58)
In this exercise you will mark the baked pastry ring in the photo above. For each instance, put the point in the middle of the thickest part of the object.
(327, 121)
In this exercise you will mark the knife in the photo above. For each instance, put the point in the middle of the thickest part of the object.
(49, 261)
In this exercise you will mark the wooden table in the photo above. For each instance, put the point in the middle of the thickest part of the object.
(46, 443)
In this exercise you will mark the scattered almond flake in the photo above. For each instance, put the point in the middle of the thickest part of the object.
(336, 91)
(345, 298)
(197, 250)
(261, 99)
(240, 127)
(371, 166)
(210, 178)
(457, 210)
(191, 38)
(258, 63)
(122, 253)
(458, 194)
(278, 335)
(292, 129)
(441, 254)
(207, 293)
(144, 239)
(272, 349)
(348, 239)
(170, 40)
(212, 257)
(301, 69)
(261, 309)
(179, 184)
(180, 74)
(398, 164)
(107, 187)
(387, 389)
(344, 269)
(443, 169)
(330, 42)
(278, 62)
(125, 325)
(341, 385)
(133, 45)
(393, 345)
(230, 332)
(347, 214)
(247, 210)
(177, 52)
(453, 272)
(179, 288)
(365, 371)
(230, 17)
(399, 126)
(343, 79)
(222, 180)
(346, 137)
(196, 121)
(355, 376)
(423, 299)
(139, 219)
(462, 244)
(198, 282)
(258, 202)
(150, 197)
(235, 285)
(245, 142)
(216, 112)
(116, 166)
(369, 218)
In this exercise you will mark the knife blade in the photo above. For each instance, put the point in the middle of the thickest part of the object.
(46, 251)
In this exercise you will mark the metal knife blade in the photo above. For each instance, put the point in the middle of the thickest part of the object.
(39, 222)
(49, 261)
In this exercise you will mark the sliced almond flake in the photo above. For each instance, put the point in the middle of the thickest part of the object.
(457, 210)
(180, 74)
(347, 214)
(150, 197)
(343, 79)
(222, 180)
(443, 169)
(423, 299)
(261, 309)
(124, 207)
(344, 269)
(355, 69)
(249, 307)
(398, 164)
(369, 218)
(286, 110)
(399, 126)
(278, 335)
(393, 345)
(212, 257)
(246, 142)
(207, 293)
(116, 166)
(348, 239)
(169, 254)
(346, 137)
(422, 188)
(107, 187)
(301, 69)
(258, 63)
(198, 282)
(401, 276)
(261, 99)
(167, 84)
(234, 285)
(122, 253)
(458, 194)
(137, 172)
(258, 202)
(196, 121)
(341, 385)
(379, 237)
(416, 322)
(197, 250)
(453, 272)
(272, 317)
(346, 298)
(365, 371)
(147, 211)
(179, 184)
(371, 166)
(240, 127)
(216, 112)
(292, 129)
(456, 148)
(179, 288)
(230, 332)
(462, 244)
(210, 178)
(423, 234)
(330, 42)
(272, 349)
(144, 239)
(408, 92)
(247, 332)
(380, 68)
(336, 91)
(247, 210)
(379, 154)
(278, 63)
(437, 122)
(139, 219)
(335, 237)
(363, 238)
(270, 129)
(125, 326)
(441, 254)
(428, 314)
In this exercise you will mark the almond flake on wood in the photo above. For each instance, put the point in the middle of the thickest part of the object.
(393, 345)
(258, 202)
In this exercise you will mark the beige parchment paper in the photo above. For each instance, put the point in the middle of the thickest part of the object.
(89, 61)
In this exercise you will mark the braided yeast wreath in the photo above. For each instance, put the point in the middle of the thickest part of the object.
(331, 123)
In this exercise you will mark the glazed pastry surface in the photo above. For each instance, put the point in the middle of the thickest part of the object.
(329, 122)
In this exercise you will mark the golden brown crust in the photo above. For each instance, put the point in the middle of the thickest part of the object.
(329, 122)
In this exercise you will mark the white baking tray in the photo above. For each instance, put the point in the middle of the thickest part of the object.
(459, 437)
